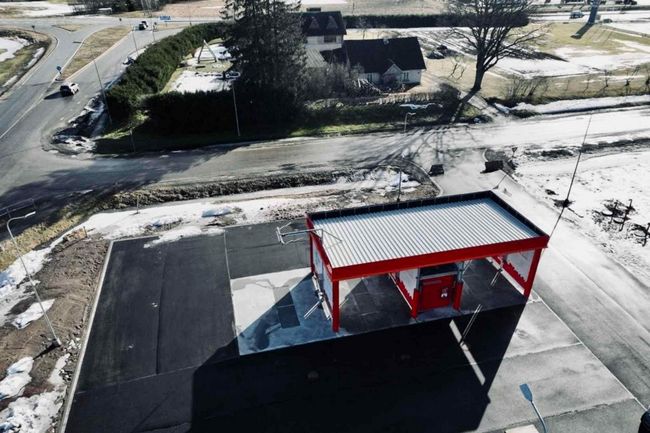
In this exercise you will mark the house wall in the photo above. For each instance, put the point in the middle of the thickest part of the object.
(319, 43)
(414, 77)
(406, 77)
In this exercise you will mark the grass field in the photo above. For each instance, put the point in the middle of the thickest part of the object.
(94, 46)
(597, 37)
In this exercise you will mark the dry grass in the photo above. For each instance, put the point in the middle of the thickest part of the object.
(597, 37)
(94, 46)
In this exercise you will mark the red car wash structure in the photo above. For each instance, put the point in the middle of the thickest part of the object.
(423, 245)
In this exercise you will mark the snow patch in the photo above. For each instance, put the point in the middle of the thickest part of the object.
(9, 46)
(191, 82)
(11, 291)
(182, 232)
(584, 104)
(17, 378)
(36, 413)
(34, 312)
(39, 8)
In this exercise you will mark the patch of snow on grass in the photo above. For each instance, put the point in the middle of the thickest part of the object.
(11, 291)
(17, 378)
(40, 8)
(34, 312)
(584, 104)
(9, 46)
(191, 82)
(55, 377)
(35, 414)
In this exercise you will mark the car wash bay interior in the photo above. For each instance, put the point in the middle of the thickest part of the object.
(422, 248)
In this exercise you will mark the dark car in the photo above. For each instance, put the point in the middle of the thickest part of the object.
(645, 422)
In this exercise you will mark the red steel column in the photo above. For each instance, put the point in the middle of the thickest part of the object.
(311, 253)
(335, 306)
(457, 294)
(531, 273)
(415, 303)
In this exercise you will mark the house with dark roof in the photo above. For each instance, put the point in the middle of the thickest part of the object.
(323, 30)
(386, 60)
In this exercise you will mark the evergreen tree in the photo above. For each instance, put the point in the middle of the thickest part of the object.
(267, 46)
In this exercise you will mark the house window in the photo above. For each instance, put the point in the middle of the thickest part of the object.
(330, 39)
(405, 76)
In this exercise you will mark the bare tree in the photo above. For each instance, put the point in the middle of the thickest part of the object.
(494, 30)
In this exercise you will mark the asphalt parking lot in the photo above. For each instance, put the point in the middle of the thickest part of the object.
(163, 357)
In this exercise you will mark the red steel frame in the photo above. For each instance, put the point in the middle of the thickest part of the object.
(536, 244)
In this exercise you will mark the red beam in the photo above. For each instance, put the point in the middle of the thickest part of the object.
(453, 256)
(532, 272)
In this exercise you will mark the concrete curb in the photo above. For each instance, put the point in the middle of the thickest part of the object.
(84, 345)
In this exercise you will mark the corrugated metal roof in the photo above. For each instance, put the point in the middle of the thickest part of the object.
(408, 232)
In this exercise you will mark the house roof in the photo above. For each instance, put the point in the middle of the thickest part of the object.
(471, 223)
(378, 55)
(315, 58)
(323, 23)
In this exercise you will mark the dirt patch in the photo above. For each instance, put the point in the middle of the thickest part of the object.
(70, 278)
(179, 192)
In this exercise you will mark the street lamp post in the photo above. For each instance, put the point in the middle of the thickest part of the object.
(234, 101)
(406, 118)
(101, 85)
(55, 340)
(137, 51)
(528, 395)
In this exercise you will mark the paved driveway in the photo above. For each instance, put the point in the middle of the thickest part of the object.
(163, 358)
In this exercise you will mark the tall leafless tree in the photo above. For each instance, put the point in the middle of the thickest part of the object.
(494, 29)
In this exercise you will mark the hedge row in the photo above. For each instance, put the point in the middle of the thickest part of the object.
(410, 21)
(152, 69)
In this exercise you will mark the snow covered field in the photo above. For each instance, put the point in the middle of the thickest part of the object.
(602, 179)
(37, 8)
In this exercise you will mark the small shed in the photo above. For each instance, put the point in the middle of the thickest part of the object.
(423, 245)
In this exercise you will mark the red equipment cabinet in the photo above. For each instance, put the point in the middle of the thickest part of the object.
(437, 286)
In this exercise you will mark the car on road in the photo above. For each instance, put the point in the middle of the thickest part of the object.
(69, 89)
(576, 14)
(232, 75)
(143, 25)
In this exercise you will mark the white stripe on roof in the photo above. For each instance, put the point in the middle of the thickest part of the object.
(398, 233)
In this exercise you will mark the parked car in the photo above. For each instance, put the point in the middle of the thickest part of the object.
(644, 427)
(232, 75)
(68, 89)
(143, 25)
(576, 14)
(630, 2)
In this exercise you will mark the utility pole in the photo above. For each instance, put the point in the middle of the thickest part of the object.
(55, 339)
(234, 101)
(406, 118)
(101, 85)
(137, 52)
